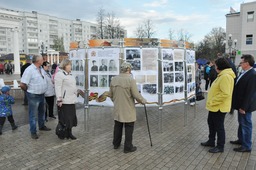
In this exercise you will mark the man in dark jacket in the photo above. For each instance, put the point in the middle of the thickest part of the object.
(244, 100)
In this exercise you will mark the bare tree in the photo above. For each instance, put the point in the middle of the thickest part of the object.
(101, 22)
(112, 23)
(183, 35)
(149, 28)
(139, 32)
(171, 34)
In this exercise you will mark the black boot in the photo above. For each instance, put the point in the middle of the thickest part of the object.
(1, 127)
(14, 126)
(71, 135)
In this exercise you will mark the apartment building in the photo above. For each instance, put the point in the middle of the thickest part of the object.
(241, 31)
(37, 31)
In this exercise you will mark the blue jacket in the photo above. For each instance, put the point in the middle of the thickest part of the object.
(5, 105)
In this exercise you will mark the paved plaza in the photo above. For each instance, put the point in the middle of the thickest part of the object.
(174, 147)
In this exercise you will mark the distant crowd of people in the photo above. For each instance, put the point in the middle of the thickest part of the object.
(6, 68)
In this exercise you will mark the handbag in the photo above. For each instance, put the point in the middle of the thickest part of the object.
(61, 129)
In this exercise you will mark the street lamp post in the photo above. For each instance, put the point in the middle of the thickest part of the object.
(230, 44)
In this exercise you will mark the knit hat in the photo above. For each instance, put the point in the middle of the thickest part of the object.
(5, 89)
(125, 66)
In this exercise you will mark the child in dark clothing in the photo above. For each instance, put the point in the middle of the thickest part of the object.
(5, 108)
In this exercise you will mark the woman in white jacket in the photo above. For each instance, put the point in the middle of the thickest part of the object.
(50, 93)
(66, 95)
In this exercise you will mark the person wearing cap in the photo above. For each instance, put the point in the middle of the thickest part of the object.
(35, 85)
(123, 92)
(6, 100)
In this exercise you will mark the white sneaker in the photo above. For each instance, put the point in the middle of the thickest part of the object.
(192, 104)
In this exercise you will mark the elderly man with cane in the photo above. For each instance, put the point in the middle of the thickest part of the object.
(123, 92)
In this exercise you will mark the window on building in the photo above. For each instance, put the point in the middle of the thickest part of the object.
(249, 39)
(250, 16)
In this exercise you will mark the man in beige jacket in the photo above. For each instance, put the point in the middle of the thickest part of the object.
(123, 92)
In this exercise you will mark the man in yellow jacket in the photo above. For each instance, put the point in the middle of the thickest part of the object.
(219, 103)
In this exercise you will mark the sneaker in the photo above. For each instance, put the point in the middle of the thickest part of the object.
(44, 128)
(34, 136)
(192, 103)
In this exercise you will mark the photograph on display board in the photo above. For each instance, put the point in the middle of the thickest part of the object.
(93, 80)
(140, 79)
(79, 80)
(191, 87)
(139, 88)
(103, 81)
(190, 55)
(167, 54)
(77, 65)
(72, 54)
(149, 59)
(112, 65)
(103, 65)
(179, 77)
(151, 78)
(178, 54)
(168, 78)
(189, 78)
(94, 66)
(167, 66)
(189, 70)
(110, 78)
(136, 65)
(179, 89)
(132, 54)
(168, 89)
(178, 66)
(149, 88)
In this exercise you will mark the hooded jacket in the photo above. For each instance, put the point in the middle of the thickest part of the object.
(220, 94)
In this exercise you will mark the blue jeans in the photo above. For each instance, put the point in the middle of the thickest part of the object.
(245, 129)
(35, 105)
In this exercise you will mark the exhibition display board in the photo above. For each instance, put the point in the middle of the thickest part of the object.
(164, 74)
(104, 63)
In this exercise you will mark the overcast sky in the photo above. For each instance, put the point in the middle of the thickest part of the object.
(197, 17)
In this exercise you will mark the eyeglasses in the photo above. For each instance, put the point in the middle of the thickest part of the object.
(243, 62)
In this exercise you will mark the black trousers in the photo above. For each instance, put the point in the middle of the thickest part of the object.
(216, 126)
(207, 84)
(118, 129)
(10, 119)
(50, 104)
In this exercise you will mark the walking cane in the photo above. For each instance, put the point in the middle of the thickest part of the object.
(148, 125)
